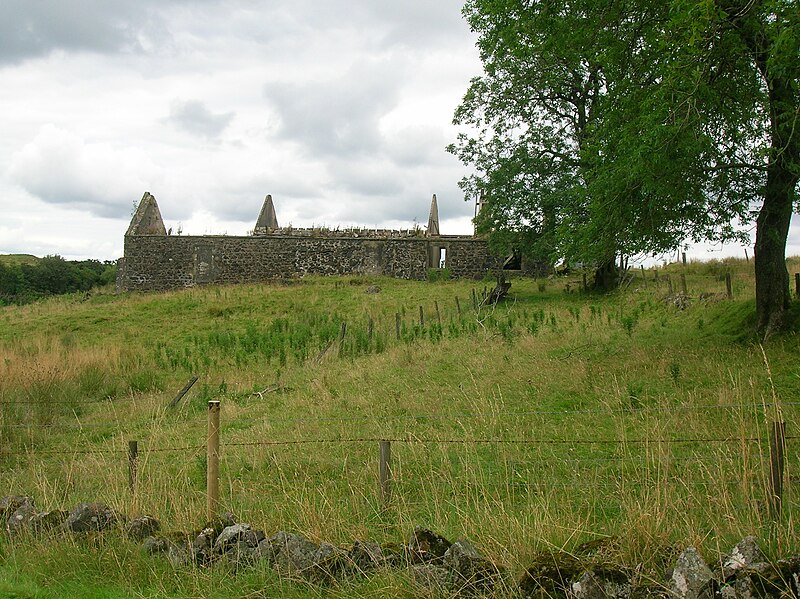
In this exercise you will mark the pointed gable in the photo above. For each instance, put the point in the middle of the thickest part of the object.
(433, 219)
(267, 219)
(147, 218)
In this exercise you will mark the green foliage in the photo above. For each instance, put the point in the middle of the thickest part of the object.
(600, 129)
(23, 281)
(436, 275)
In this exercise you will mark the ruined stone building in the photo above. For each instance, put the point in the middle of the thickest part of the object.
(155, 260)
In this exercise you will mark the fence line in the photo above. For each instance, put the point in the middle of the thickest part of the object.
(409, 440)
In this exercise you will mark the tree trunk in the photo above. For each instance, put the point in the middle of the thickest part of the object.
(606, 275)
(772, 225)
(772, 229)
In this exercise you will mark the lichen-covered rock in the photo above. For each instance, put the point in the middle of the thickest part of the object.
(763, 579)
(294, 555)
(550, 574)
(746, 554)
(290, 553)
(20, 520)
(603, 584)
(202, 547)
(142, 527)
(691, 578)
(11, 503)
(88, 517)
(49, 521)
(432, 579)
(230, 536)
(155, 545)
(470, 569)
(427, 546)
(366, 555)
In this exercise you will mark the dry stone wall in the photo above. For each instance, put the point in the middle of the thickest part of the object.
(160, 262)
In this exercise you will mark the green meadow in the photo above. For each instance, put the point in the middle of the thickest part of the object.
(554, 418)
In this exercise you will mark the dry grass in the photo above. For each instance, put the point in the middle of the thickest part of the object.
(588, 401)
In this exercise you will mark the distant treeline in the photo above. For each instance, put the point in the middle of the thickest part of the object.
(52, 275)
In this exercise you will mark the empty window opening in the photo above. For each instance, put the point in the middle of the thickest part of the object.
(442, 257)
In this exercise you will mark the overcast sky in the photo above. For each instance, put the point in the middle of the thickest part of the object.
(339, 109)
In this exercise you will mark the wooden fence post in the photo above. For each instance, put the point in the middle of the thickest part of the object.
(684, 258)
(458, 306)
(474, 300)
(777, 446)
(797, 284)
(683, 284)
(397, 324)
(585, 286)
(644, 276)
(385, 472)
(182, 392)
(133, 458)
(728, 285)
(421, 318)
(212, 461)
(438, 314)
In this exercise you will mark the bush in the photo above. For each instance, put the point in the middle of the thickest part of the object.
(439, 274)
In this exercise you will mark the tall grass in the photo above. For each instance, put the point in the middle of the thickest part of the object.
(537, 424)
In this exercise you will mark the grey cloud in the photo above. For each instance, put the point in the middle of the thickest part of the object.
(59, 168)
(338, 116)
(34, 28)
(194, 117)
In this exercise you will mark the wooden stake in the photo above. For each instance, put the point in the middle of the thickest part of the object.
(458, 306)
(777, 447)
(438, 315)
(182, 392)
(728, 285)
(683, 284)
(133, 458)
(385, 472)
(212, 461)
(421, 318)
(397, 324)
(474, 300)
(797, 284)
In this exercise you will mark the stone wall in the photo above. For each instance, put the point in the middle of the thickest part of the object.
(160, 262)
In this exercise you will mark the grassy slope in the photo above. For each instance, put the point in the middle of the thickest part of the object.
(557, 370)
(18, 259)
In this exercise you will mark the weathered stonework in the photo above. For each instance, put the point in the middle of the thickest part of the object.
(155, 262)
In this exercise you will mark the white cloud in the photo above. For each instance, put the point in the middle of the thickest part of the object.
(59, 167)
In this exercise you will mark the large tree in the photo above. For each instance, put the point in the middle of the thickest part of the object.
(628, 126)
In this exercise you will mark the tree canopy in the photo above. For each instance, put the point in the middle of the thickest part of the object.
(627, 127)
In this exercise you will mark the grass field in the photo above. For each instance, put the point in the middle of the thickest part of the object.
(10, 259)
(555, 418)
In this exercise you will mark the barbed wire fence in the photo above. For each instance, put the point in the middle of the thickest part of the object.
(519, 463)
